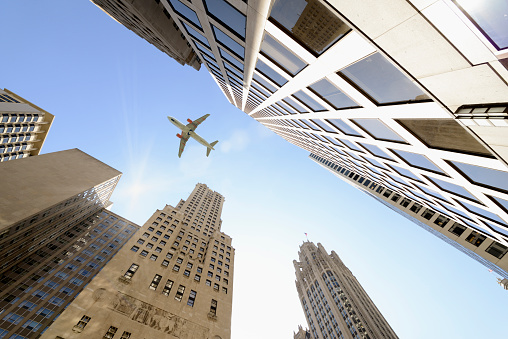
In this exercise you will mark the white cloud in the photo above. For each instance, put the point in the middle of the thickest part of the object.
(237, 142)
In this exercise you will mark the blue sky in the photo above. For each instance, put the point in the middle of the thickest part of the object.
(111, 91)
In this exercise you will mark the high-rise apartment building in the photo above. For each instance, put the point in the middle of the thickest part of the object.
(55, 235)
(23, 126)
(174, 278)
(334, 302)
(152, 22)
(411, 95)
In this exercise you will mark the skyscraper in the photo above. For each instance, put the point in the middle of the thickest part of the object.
(173, 278)
(334, 302)
(23, 126)
(425, 117)
(55, 235)
(151, 21)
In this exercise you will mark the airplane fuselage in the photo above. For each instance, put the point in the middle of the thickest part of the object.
(189, 131)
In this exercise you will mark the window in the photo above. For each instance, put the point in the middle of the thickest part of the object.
(134, 248)
(179, 293)
(270, 73)
(167, 287)
(280, 55)
(44, 312)
(13, 318)
(378, 130)
(216, 287)
(27, 305)
(228, 42)
(418, 160)
(155, 282)
(228, 57)
(185, 12)
(83, 322)
(176, 268)
(415, 208)
(130, 272)
(343, 127)
(192, 298)
(165, 263)
(125, 335)
(213, 307)
(490, 19)
(483, 176)
(457, 229)
(197, 277)
(452, 188)
(475, 238)
(310, 23)
(225, 290)
(382, 82)
(405, 202)
(110, 333)
(208, 282)
(332, 95)
(186, 273)
(169, 255)
(428, 214)
(179, 260)
(227, 15)
(497, 250)
(143, 253)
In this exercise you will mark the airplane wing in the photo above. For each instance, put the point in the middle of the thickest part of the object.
(196, 122)
(183, 141)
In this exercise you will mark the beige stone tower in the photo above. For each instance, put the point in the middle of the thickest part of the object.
(173, 279)
(334, 302)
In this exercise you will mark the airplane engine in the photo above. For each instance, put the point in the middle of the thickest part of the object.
(189, 121)
(178, 135)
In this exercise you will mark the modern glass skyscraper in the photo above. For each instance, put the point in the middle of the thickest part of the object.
(410, 95)
(174, 278)
(335, 304)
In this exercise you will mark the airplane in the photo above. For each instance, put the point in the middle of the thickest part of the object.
(188, 131)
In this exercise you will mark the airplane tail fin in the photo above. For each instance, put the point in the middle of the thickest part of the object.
(209, 149)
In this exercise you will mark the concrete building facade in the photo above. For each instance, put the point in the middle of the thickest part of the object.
(150, 21)
(348, 81)
(173, 279)
(23, 127)
(334, 302)
(55, 235)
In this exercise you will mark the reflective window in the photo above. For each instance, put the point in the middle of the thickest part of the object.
(270, 73)
(300, 124)
(323, 125)
(351, 145)
(343, 127)
(375, 162)
(490, 18)
(231, 59)
(259, 90)
(311, 23)
(492, 178)
(458, 212)
(483, 213)
(501, 202)
(452, 188)
(287, 107)
(431, 192)
(332, 95)
(376, 151)
(378, 130)
(228, 42)
(264, 83)
(295, 105)
(185, 11)
(195, 34)
(418, 160)
(233, 70)
(307, 100)
(382, 81)
(204, 50)
(405, 172)
(280, 55)
(223, 12)
(497, 229)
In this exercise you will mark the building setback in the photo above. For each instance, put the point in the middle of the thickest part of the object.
(173, 278)
(334, 302)
(55, 235)
(150, 21)
(23, 127)
(424, 117)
